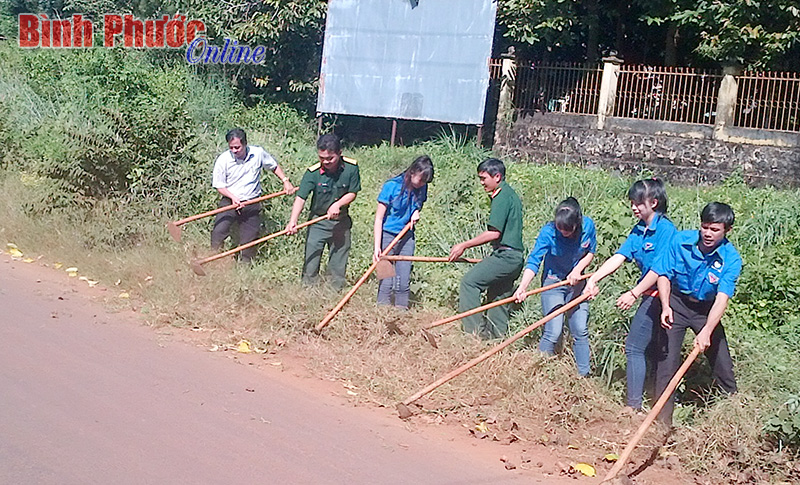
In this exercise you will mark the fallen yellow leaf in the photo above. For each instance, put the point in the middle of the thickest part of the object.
(11, 246)
(572, 447)
(243, 347)
(611, 457)
(124, 295)
(28, 260)
(92, 284)
(482, 427)
(351, 393)
(15, 252)
(72, 274)
(58, 265)
(585, 468)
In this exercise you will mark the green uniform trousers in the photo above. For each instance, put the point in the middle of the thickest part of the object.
(495, 275)
(335, 235)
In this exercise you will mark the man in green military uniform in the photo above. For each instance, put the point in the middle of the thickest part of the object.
(334, 181)
(497, 272)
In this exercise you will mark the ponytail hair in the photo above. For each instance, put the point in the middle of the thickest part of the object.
(649, 189)
(568, 216)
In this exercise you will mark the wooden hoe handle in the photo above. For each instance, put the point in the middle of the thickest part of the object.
(200, 262)
(325, 321)
(429, 259)
(651, 416)
(228, 207)
(497, 348)
(174, 227)
(493, 304)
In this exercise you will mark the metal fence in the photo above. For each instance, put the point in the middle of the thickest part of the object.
(667, 94)
(564, 88)
(768, 100)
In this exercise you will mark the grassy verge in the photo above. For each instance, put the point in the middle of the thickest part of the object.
(378, 349)
(101, 148)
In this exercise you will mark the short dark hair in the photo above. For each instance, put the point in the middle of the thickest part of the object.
(717, 212)
(493, 166)
(649, 189)
(329, 142)
(422, 164)
(236, 133)
(569, 217)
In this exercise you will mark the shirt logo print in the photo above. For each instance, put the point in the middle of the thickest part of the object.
(585, 244)
(648, 246)
(717, 265)
(712, 278)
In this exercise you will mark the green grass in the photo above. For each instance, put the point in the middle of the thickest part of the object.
(121, 237)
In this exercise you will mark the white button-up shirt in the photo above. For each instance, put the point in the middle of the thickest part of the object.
(242, 177)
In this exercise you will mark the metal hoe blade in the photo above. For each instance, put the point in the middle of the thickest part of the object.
(384, 270)
(198, 268)
(174, 231)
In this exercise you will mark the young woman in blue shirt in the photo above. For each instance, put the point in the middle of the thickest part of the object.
(567, 246)
(648, 239)
(400, 201)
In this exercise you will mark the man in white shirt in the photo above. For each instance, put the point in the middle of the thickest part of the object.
(237, 177)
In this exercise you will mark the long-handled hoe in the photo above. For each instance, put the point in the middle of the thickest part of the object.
(174, 227)
(428, 336)
(651, 416)
(385, 267)
(325, 321)
(197, 266)
(405, 412)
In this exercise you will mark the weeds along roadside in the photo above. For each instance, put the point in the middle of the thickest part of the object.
(262, 304)
(120, 236)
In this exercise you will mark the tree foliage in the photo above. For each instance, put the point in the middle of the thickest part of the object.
(754, 33)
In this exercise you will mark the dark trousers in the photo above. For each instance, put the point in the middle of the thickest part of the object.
(400, 285)
(495, 275)
(249, 220)
(335, 235)
(639, 347)
(689, 314)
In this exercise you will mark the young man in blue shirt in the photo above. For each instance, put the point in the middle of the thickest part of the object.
(696, 278)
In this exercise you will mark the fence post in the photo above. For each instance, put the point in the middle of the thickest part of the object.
(726, 102)
(505, 106)
(608, 89)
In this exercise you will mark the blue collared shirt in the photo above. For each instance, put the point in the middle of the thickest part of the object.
(699, 275)
(400, 203)
(561, 254)
(644, 244)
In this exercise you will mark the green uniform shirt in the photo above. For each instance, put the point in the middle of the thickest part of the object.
(329, 187)
(506, 216)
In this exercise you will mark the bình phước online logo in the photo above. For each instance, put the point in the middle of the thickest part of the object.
(38, 30)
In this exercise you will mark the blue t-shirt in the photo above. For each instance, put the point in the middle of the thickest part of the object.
(645, 244)
(400, 203)
(696, 274)
(561, 254)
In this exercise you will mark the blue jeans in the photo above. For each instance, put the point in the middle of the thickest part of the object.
(400, 285)
(644, 326)
(578, 322)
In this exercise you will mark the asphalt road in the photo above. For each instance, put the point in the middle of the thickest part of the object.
(91, 397)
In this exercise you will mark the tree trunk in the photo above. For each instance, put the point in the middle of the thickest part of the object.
(592, 37)
(671, 45)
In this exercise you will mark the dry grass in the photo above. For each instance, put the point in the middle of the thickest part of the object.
(519, 392)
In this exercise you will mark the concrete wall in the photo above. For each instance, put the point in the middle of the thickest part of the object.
(680, 153)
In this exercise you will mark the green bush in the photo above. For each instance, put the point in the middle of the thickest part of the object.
(785, 425)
